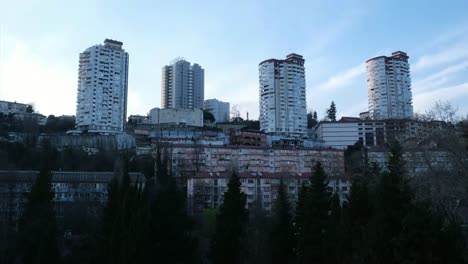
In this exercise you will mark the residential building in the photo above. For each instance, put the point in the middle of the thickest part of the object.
(389, 87)
(137, 119)
(189, 117)
(220, 110)
(283, 96)
(102, 88)
(348, 131)
(247, 138)
(188, 159)
(13, 108)
(183, 85)
(206, 189)
(69, 187)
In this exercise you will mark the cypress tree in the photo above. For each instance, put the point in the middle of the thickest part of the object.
(37, 226)
(333, 231)
(282, 235)
(226, 243)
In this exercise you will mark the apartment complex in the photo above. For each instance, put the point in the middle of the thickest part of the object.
(188, 159)
(69, 187)
(219, 109)
(182, 85)
(13, 108)
(283, 96)
(389, 87)
(348, 131)
(189, 117)
(206, 190)
(102, 88)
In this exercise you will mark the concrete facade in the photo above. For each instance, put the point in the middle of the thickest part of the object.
(13, 108)
(389, 87)
(282, 90)
(220, 110)
(182, 85)
(189, 117)
(102, 88)
(371, 133)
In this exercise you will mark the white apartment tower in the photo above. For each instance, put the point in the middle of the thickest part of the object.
(102, 88)
(219, 109)
(389, 87)
(283, 96)
(183, 85)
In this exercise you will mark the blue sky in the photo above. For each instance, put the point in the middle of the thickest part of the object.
(40, 42)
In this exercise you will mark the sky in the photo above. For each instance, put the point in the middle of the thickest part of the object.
(40, 42)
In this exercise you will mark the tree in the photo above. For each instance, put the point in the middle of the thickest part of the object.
(333, 231)
(282, 235)
(235, 113)
(311, 119)
(29, 109)
(226, 243)
(331, 112)
(37, 225)
(208, 117)
(312, 218)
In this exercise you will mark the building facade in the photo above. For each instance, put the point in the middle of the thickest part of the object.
(182, 85)
(102, 88)
(283, 107)
(189, 117)
(13, 108)
(389, 87)
(372, 133)
(220, 110)
(206, 190)
(69, 187)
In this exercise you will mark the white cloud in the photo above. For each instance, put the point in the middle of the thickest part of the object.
(452, 54)
(29, 78)
(341, 79)
(424, 100)
(439, 78)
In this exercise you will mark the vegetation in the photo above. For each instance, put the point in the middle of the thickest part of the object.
(331, 112)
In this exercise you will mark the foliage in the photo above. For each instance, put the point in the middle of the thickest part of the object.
(331, 112)
(226, 243)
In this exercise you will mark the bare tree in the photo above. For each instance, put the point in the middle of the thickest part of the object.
(440, 111)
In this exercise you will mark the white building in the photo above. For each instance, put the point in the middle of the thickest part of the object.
(102, 88)
(371, 133)
(183, 85)
(13, 108)
(389, 87)
(190, 117)
(283, 96)
(220, 110)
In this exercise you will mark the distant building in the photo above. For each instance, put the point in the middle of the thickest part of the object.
(247, 138)
(283, 96)
(69, 187)
(206, 189)
(220, 110)
(183, 85)
(389, 87)
(13, 108)
(190, 117)
(102, 88)
(347, 132)
(137, 119)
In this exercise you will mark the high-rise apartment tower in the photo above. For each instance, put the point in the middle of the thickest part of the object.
(283, 96)
(102, 88)
(389, 87)
(183, 85)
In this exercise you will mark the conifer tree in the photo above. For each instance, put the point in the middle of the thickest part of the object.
(226, 243)
(282, 235)
(333, 231)
(331, 112)
(170, 226)
(37, 226)
(312, 218)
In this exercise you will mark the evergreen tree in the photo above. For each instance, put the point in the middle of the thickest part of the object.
(282, 235)
(314, 116)
(393, 202)
(258, 248)
(226, 243)
(37, 225)
(313, 218)
(170, 226)
(331, 112)
(333, 231)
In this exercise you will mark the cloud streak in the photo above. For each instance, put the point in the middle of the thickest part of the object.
(342, 79)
